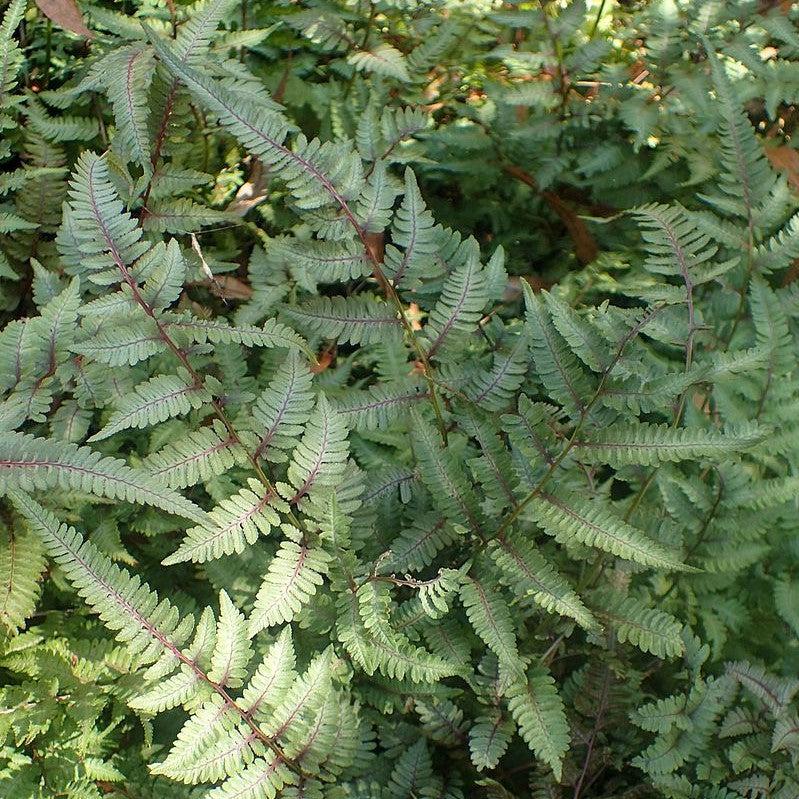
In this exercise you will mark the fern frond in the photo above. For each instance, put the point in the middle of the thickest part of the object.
(180, 689)
(148, 627)
(231, 526)
(122, 344)
(319, 460)
(52, 333)
(653, 631)
(21, 565)
(104, 232)
(291, 580)
(444, 478)
(489, 738)
(11, 57)
(218, 331)
(786, 601)
(261, 779)
(772, 329)
(778, 251)
(384, 59)
(379, 647)
(650, 444)
(494, 390)
(493, 469)
(417, 545)
(232, 652)
(9, 222)
(746, 178)
(676, 246)
(326, 261)
(196, 33)
(567, 517)
(181, 215)
(373, 210)
(578, 331)
(154, 401)
(414, 236)
(29, 464)
(356, 320)
(412, 774)
(164, 282)
(555, 364)
(532, 430)
(228, 752)
(538, 709)
(524, 569)
(458, 310)
(128, 75)
(442, 720)
(663, 714)
(283, 408)
(201, 455)
(315, 173)
(306, 695)
(381, 406)
(775, 692)
(488, 613)
(398, 124)
(272, 679)
(61, 128)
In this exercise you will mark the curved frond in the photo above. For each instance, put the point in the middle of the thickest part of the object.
(30, 464)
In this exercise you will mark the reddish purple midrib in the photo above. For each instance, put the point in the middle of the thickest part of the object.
(129, 93)
(5, 464)
(500, 374)
(451, 321)
(285, 725)
(309, 480)
(370, 406)
(361, 320)
(178, 392)
(197, 456)
(297, 568)
(270, 433)
(239, 520)
(168, 644)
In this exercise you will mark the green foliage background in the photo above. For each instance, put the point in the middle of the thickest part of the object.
(399, 399)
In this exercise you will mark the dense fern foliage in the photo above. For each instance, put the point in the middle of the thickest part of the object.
(399, 399)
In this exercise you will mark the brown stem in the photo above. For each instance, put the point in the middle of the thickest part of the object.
(585, 247)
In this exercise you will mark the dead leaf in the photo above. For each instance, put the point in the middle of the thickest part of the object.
(251, 193)
(231, 288)
(786, 160)
(323, 361)
(65, 14)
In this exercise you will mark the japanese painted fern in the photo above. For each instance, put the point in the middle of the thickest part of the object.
(307, 494)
